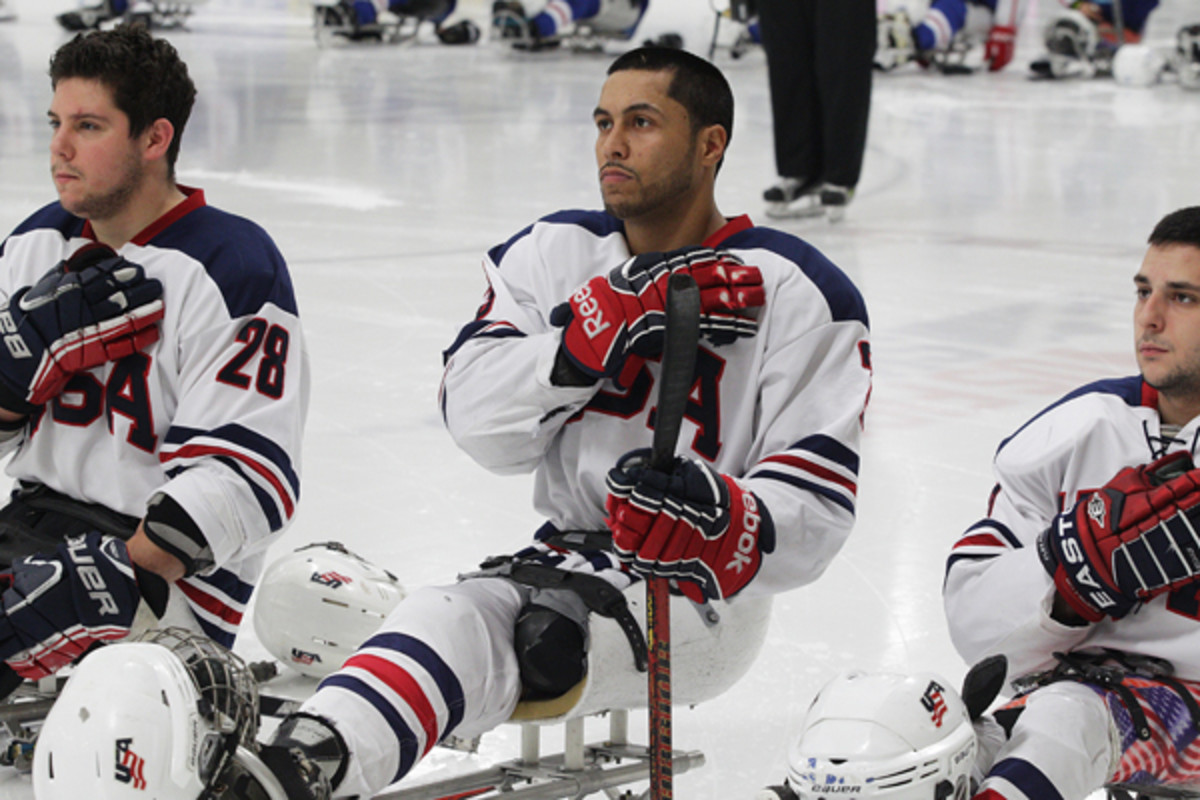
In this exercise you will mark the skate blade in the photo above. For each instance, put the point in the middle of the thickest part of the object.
(788, 211)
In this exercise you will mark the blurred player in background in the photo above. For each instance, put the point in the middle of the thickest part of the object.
(368, 19)
(557, 375)
(154, 381)
(545, 29)
(1085, 574)
(1082, 38)
(947, 30)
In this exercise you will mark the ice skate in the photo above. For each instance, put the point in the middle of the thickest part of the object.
(793, 198)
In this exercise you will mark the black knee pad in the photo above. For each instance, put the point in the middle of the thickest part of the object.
(551, 651)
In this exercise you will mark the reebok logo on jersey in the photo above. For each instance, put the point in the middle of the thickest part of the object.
(589, 308)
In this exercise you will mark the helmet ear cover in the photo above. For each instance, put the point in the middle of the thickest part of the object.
(314, 606)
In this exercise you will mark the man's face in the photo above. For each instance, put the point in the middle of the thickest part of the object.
(95, 165)
(1166, 320)
(645, 148)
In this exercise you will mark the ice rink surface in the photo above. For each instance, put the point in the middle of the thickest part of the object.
(995, 233)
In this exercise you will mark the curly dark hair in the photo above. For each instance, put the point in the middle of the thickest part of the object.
(146, 76)
(1178, 227)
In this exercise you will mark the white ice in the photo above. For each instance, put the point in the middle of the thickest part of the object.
(995, 233)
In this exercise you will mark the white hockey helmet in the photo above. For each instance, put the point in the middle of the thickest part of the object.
(316, 605)
(1186, 60)
(1138, 65)
(887, 736)
(1070, 33)
(158, 718)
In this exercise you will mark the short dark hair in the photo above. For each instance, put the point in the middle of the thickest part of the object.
(146, 76)
(1178, 227)
(696, 85)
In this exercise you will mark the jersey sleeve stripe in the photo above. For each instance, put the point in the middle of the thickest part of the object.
(406, 739)
(480, 329)
(811, 486)
(403, 684)
(218, 602)
(826, 473)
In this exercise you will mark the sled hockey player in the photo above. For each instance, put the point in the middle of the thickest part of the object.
(557, 375)
(544, 30)
(1084, 574)
(1083, 39)
(947, 30)
(154, 381)
(154, 14)
(357, 20)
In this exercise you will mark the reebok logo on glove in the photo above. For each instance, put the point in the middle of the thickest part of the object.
(591, 312)
(747, 542)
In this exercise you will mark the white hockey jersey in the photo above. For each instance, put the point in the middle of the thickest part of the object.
(782, 409)
(211, 414)
(997, 594)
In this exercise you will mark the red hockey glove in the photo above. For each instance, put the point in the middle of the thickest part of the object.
(691, 523)
(53, 608)
(94, 307)
(1135, 538)
(615, 316)
(999, 48)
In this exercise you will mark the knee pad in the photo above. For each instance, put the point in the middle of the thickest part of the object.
(551, 651)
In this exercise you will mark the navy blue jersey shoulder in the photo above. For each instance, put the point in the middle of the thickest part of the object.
(1128, 389)
(239, 256)
(52, 216)
(599, 223)
(844, 299)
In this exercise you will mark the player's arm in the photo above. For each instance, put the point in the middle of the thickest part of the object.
(997, 596)
(775, 524)
(519, 372)
(233, 447)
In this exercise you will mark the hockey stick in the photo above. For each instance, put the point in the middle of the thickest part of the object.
(682, 335)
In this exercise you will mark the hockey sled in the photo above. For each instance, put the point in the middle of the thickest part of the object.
(712, 647)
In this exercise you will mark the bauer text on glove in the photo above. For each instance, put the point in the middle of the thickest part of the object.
(54, 607)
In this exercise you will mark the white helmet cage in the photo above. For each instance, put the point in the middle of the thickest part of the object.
(160, 717)
(316, 605)
(1070, 33)
(1187, 56)
(887, 736)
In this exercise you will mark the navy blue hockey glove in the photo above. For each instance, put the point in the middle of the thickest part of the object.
(613, 317)
(54, 607)
(92, 308)
(692, 523)
(1135, 538)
